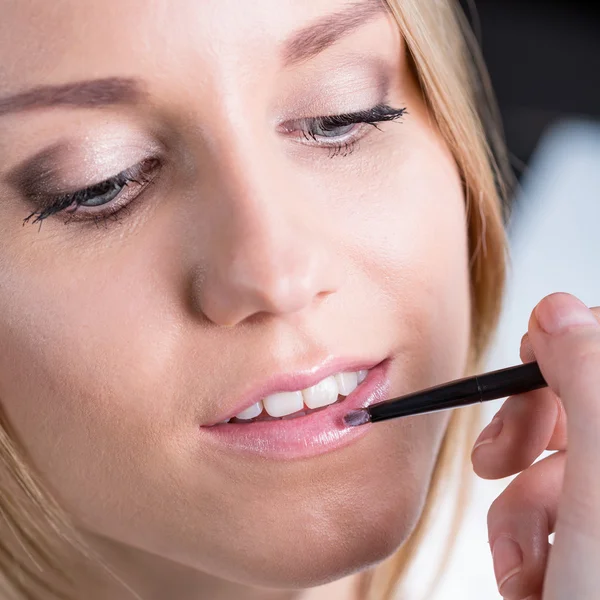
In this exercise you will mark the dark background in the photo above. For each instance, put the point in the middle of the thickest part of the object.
(544, 62)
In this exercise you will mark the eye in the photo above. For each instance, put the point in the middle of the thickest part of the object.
(102, 199)
(337, 131)
(103, 193)
(329, 131)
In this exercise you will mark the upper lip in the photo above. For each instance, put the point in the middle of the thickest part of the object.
(297, 380)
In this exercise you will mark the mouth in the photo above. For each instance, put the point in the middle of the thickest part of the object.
(305, 422)
(300, 403)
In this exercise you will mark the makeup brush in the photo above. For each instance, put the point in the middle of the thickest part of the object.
(461, 392)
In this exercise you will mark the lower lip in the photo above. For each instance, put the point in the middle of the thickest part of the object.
(304, 437)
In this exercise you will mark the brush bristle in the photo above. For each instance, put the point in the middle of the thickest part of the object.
(356, 418)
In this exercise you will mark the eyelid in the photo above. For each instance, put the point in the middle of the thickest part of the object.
(372, 116)
(76, 163)
(143, 173)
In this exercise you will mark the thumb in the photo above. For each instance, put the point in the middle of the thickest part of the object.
(565, 336)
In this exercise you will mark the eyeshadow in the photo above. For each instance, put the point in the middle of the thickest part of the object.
(351, 83)
(38, 172)
(69, 165)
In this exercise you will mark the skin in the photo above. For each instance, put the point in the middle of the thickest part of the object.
(116, 342)
(251, 253)
(561, 493)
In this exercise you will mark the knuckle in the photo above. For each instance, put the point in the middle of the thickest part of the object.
(499, 510)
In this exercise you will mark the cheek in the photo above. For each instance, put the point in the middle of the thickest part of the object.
(82, 353)
(414, 247)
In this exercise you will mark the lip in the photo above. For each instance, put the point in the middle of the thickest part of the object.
(292, 382)
(304, 437)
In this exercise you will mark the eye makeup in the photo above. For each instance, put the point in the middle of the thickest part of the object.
(97, 176)
(341, 132)
(125, 187)
(84, 181)
(346, 93)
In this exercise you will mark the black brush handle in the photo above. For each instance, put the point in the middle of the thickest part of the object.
(462, 392)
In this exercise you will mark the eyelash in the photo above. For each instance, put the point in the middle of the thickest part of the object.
(141, 174)
(347, 144)
(145, 172)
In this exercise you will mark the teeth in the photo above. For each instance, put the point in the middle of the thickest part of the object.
(284, 403)
(347, 383)
(322, 394)
(251, 412)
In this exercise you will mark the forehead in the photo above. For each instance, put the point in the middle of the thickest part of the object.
(62, 40)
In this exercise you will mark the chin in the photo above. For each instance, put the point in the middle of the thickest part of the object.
(323, 562)
(318, 555)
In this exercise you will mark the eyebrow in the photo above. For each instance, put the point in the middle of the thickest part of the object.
(303, 45)
(326, 31)
(82, 94)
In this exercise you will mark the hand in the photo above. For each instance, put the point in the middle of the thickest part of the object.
(560, 493)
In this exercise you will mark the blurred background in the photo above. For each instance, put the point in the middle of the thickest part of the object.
(544, 62)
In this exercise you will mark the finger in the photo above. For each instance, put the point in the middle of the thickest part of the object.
(558, 439)
(526, 350)
(519, 523)
(565, 336)
(521, 430)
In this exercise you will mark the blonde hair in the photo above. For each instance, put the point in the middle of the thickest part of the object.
(456, 87)
(34, 531)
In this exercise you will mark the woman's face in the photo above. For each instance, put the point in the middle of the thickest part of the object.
(245, 247)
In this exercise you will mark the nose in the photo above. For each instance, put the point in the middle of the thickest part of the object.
(268, 252)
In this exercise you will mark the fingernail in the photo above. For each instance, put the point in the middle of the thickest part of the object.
(508, 561)
(560, 311)
(490, 433)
